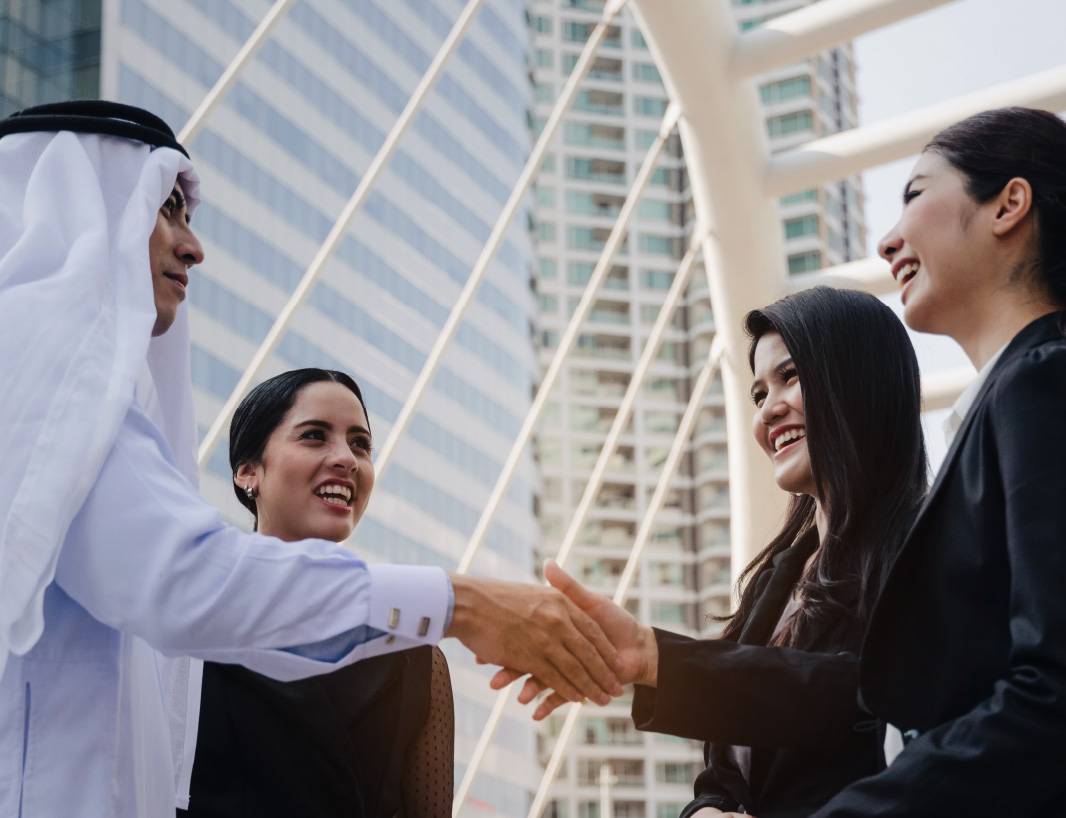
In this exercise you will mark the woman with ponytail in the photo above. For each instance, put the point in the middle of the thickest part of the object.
(966, 652)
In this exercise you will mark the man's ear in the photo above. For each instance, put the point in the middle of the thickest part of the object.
(1013, 204)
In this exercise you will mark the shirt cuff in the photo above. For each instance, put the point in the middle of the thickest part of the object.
(410, 601)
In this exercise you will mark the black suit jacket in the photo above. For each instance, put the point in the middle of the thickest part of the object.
(796, 709)
(967, 644)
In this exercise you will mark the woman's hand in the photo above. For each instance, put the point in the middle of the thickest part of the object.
(537, 630)
(638, 653)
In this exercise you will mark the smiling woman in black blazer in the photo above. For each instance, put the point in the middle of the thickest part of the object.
(966, 651)
(836, 409)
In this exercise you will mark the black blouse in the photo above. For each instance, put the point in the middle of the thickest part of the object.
(328, 746)
(797, 710)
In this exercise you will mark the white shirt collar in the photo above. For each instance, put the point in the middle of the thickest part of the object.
(954, 420)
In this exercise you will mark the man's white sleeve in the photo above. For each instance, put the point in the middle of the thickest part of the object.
(146, 554)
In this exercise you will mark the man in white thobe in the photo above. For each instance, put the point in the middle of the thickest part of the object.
(110, 562)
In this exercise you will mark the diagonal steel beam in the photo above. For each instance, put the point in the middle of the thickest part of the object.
(655, 504)
(569, 337)
(871, 275)
(791, 37)
(237, 64)
(625, 407)
(481, 266)
(340, 226)
(840, 155)
(566, 343)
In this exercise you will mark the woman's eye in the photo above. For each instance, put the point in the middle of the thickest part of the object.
(362, 444)
(910, 194)
(790, 375)
(758, 398)
(313, 434)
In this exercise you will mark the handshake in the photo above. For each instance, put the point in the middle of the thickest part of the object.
(577, 643)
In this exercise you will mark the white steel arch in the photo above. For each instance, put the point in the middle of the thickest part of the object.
(707, 67)
(726, 150)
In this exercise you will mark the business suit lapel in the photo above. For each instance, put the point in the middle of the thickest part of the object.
(1035, 333)
(777, 584)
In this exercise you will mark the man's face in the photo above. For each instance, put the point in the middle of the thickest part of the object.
(172, 249)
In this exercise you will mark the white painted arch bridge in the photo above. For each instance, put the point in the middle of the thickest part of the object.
(708, 69)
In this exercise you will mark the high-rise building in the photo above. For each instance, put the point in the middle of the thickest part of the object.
(823, 225)
(49, 51)
(278, 160)
(684, 575)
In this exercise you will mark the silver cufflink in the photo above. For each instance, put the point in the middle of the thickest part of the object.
(394, 617)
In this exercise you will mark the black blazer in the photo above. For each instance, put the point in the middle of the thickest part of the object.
(967, 644)
(796, 709)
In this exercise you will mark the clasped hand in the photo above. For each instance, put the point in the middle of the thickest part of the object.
(536, 630)
(636, 655)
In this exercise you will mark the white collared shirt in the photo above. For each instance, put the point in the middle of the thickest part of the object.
(149, 570)
(953, 422)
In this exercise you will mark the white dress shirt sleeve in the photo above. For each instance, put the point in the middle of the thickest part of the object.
(146, 554)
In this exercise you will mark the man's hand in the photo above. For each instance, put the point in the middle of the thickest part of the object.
(638, 652)
(535, 630)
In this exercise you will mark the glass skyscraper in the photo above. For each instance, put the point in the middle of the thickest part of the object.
(49, 51)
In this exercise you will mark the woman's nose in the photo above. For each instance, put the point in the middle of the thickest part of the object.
(343, 457)
(771, 409)
(890, 245)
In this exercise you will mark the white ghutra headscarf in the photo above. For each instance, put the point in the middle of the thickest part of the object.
(80, 187)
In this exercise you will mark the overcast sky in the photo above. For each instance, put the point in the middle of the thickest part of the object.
(953, 49)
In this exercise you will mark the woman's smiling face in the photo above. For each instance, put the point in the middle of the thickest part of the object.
(316, 475)
(938, 256)
(779, 424)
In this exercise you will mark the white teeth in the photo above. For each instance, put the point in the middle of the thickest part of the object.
(333, 492)
(787, 437)
(906, 272)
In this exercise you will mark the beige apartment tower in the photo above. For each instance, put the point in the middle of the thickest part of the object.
(685, 574)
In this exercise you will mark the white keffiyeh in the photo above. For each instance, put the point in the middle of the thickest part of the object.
(76, 315)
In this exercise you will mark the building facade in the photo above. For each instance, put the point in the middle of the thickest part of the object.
(685, 573)
(49, 51)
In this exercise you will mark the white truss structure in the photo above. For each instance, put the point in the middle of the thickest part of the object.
(708, 68)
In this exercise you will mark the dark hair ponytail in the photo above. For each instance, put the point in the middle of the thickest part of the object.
(262, 411)
(993, 147)
(861, 403)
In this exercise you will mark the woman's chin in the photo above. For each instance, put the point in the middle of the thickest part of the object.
(792, 482)
(335, 530)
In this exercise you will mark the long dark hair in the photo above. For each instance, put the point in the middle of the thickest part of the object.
(993, 147)
(263, 409)
(861, 402)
